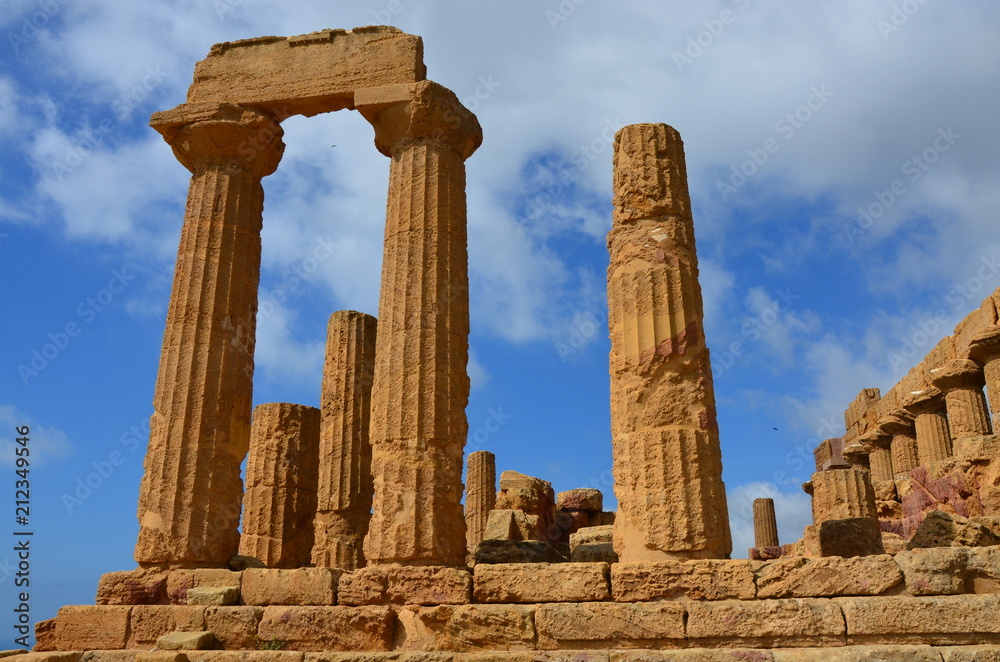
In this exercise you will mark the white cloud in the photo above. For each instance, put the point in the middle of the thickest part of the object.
(45, 443)
(283, 354)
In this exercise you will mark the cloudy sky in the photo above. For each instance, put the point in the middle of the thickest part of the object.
(842, 162)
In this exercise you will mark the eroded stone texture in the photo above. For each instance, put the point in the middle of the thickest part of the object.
(984, 348)
(421, 387)
(765, 623)
(666, 455)
(191, 492)
(535, 499)
(842, 494)
(541, 582)
(879, 455)
(345, 476)
(827, 577)
(280, 500)
(328, 628)
(952, 619)
(942, 529)
(765, 526)
(931, 424)
(466, 628)
(480, 495)
(962, 383)
(300, 586)
(899, 425)
(697, 580)
(609, 625)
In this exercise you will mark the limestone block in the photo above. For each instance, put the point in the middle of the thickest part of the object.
(796, 577)
(859, 654)
(235, 627)
(398, 584)
(45, 635)
(213, 595)
(692, 655)
(594, 552)
(466, 628)
(842, 494)
(541, 582)
(516, 551)
(533, 496)
(192, 641)
(765, 623)
(303, 586)
(150, 622)
(582, 498)
(937, 571)
(697, 580)
(591, 534)
(507, 524)
(179, 582)
(157, 656)
(132, 587)
(329, 628)
(603, 625)
(92, 627)
(942, 529)
(982, 565)
(969, 653)
(982, 448)
(257, 656)
(951, 619)
(858, 536)
(893, 543)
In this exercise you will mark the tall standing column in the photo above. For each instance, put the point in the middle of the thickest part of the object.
(931, 424)
(962, 382)
(765, 525)
(345, 452)
(899, 426)
(985, 350)
(421, 386)
(191, 492)
(665, 439)
(480, 495)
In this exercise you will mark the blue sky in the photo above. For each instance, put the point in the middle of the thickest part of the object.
(842, 163)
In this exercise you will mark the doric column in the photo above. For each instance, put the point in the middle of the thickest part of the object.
(931, 424)
(985, 350)
(345, 452)
(665, 438)
(842, 494)
(879, 454)
(962, 383)
(421, 387)
(765, 526)
(191, 492)
(480, 495)
(899, 426)
(857, 454)
(280, 500)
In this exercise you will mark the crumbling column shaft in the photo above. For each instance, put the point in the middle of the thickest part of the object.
(666, 455)
(480, 495)
(933, 438)
(904, 455)
(842, 494)
(345, 475)
(967, 413)
(765, 525)
(191, 492)
(280, 500)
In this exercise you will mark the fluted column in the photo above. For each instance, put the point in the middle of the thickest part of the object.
(421, 387)
(280, 500)
(962, 383)
(191, 492)
(879, 454)
(985, 350)
(480, 495)
(931, 425)
(842, 494)
(665, 438)
(899, 426)
(345, 452)
(765, 525)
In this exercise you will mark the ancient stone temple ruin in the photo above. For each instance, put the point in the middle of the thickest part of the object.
(349, 539)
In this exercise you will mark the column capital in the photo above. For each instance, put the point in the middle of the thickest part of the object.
(928, 401)
(422, 112)
(960, 373)
(856, 454)
(898, 422)
(985, 344)
(875, 438)
(233, 136)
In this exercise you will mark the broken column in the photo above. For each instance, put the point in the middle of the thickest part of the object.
(931, 425)
(345, 476)
(765, 525)
(191, 492)
(845, 516)
(985, 350)
(666, 454)
(962, 382)
(280, 500)
(421, 387)
(899, 426)
(879, 456)
(480, 495)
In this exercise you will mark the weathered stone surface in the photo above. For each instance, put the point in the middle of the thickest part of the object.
(541, 582)
(45, 635)
(345, 478)
(150, 622)
(421, 386)
(480, 495)
(466, 628)
(969, 653)
(398, 584)
(132, 587)
(826, 577)
(983, 448)
(582, 498)
(858, 536)
(179, 582)
(697, 580)
(235, 627)
(692, 655)
(859, 654)
(191, 493)
(249, 656)
(193, 641)
(161, 656)
(90, 627)
(765, 623)
(534, 498)
(982, 566)
(610, 625)
(594, 552)
(665, 441)
(516, 551)
(213, 595)
(941, 529)
(590, 535)
(280, 500)
(933, 571)
(893, 543)
(953, 619)
(241, 562)
(329, 628)
(304, 586)
(962, 382)
(508, 524)
(765, 526)
(842, 494)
